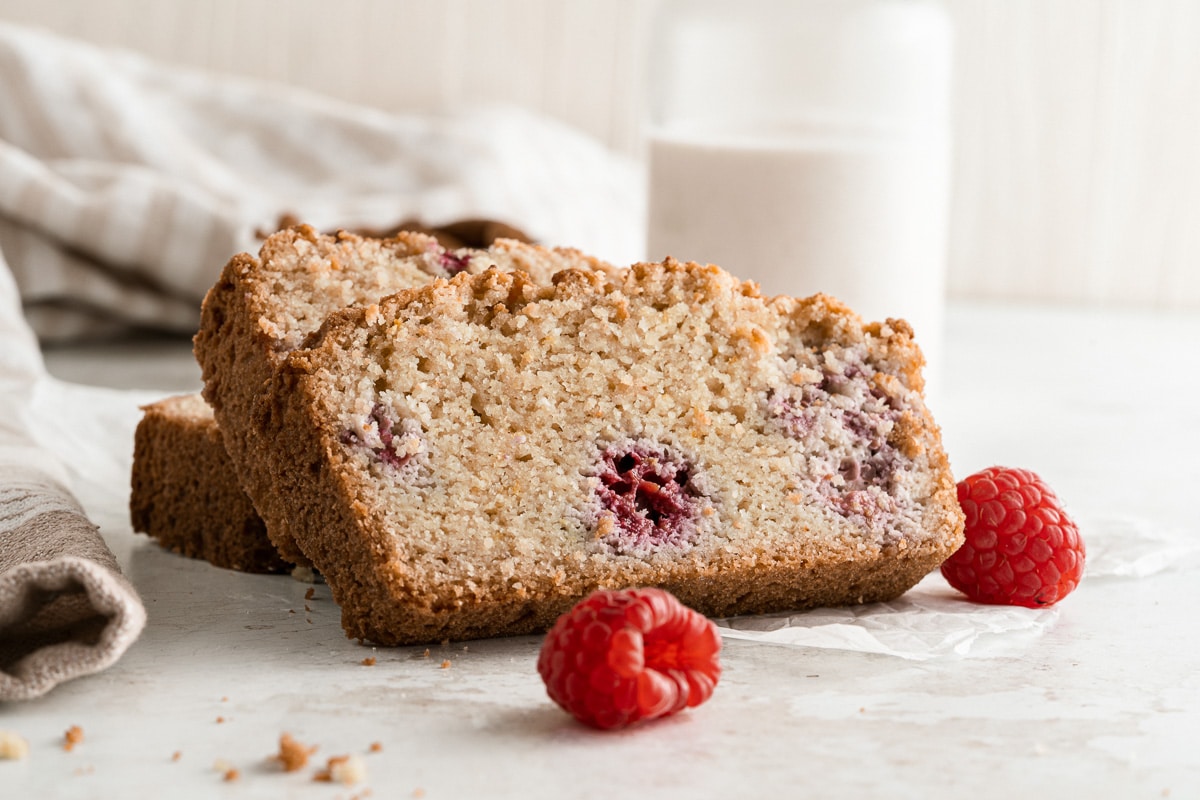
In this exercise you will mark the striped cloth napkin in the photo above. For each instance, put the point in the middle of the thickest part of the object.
(125, 186)
(65, 608)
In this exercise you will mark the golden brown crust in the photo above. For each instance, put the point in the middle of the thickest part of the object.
(185, 495)
(385, 601)
(235, 358)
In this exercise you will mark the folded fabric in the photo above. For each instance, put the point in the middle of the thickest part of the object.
(125, 184)
(65, 608)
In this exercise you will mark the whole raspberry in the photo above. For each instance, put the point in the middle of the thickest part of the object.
(619, 657)
(1021, 548)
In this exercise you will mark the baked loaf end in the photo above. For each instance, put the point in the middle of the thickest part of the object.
(263, 307)
(470, 458)
(184, 493)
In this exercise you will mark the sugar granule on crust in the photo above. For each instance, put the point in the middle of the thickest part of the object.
(293, 755)
(13, 747)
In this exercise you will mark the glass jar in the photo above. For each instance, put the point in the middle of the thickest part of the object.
(804, 144)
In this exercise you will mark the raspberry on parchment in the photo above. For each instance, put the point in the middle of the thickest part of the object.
(1021, 548)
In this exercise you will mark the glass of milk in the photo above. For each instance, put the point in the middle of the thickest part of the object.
(804, 144)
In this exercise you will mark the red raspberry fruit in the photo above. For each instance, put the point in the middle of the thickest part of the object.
(619, 657)
(1021, 548)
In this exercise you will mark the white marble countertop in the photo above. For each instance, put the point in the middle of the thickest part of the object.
(1104, 702)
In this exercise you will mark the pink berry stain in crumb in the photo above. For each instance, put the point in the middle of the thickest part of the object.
(453, 263)
(864, 457)
(649, 498)
(389, 441)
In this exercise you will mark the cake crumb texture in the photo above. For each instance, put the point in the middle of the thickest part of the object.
(470, 457)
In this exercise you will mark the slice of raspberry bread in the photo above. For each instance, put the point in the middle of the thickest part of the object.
(263, 307)
(471, 458)
(184, 492)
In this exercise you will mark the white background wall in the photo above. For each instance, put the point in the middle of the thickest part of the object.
(1077, 122)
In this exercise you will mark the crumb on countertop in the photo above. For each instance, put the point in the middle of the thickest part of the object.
(229, 772)
(376, 747)
(304, 574)
(292, 755)
(13, 746)
(369, 661)
(446, 664)
(72, 737)
(346, 770)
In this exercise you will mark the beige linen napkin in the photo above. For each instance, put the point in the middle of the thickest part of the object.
(65, 608)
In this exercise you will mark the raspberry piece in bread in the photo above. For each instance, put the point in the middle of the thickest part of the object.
(665, 426)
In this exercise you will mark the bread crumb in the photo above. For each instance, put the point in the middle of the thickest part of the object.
(292, 755)
(418, 792)
(72, 737)
(446, 664)
(310, 593)
(369, 661)
(227, 770)
(231, 775)
(426, 652)
(178, 754)
(220, 720)
(13, 747)
(376, 747)
(346, 770)
(304, 575)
